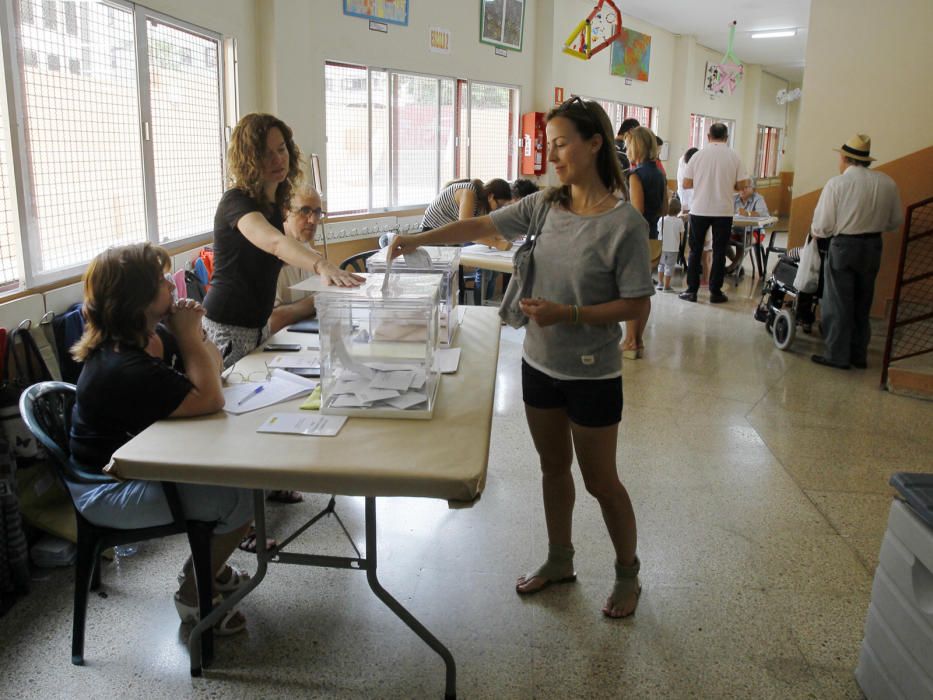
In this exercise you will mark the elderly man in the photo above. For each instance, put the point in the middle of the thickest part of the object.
(854, 209)
(714, 174)
(304, 214)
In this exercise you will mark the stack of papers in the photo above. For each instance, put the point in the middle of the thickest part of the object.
(395, 386)
(303, 424)
(250, 396)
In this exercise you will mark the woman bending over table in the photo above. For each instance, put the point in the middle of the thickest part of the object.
(250, 245)
(125, 386)
(590, 273)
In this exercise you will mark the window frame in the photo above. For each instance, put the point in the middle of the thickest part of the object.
(772, 136)
(654, 112)
(732, 124)
(21, 175)
(461, 136)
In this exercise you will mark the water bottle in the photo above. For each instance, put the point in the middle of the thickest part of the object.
(126, 550)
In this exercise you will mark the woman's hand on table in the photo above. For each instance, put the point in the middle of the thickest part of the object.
(334, 276)
(545, 313)
(402, 245)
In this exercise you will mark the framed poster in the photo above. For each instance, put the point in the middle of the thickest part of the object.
(502, 23)
(392, 11)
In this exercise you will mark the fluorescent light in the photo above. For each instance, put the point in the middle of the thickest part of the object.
(775, 34)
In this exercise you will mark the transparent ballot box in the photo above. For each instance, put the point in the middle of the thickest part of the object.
(377, 347)
(444, 260)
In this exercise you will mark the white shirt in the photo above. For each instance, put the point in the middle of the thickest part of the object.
(857, 201)
(672, 228)
(686, 196)
(714, 169)
(290, 275)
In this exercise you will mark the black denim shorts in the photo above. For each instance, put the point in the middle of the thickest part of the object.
(593, 403)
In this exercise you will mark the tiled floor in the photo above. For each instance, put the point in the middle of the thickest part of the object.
(760, 485)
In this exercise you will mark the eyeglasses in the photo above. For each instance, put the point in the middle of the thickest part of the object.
(567, 104)
(308, 211)
(235, 377)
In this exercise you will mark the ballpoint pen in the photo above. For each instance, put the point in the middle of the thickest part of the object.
(251, 394)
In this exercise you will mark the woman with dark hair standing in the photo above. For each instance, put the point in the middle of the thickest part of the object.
(465, 199)
(591, 273)
(125, 386)
(250, 245)
(648, 191)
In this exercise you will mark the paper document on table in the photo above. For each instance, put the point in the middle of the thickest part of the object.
(281, 386)
(310, 361)
(447, 360)
(303, 424)
(385, 280)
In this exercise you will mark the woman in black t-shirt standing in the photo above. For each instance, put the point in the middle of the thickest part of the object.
(250, 245)
(125, 386)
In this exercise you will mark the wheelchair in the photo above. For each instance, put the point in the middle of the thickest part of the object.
(783, 308)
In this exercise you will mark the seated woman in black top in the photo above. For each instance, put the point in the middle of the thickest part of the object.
(250, 245)
(125, 386)
(648, 192)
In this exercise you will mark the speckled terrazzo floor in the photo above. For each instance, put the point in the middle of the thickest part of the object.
(760, 485)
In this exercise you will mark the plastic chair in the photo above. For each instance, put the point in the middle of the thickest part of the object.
(46, 409)
(357, 263)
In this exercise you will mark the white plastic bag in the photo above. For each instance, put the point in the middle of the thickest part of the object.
(808, 270)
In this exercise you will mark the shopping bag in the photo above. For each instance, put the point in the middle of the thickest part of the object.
(807, 278)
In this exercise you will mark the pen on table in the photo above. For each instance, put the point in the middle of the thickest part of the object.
(251, 394)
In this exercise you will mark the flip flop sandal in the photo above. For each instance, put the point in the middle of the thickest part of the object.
(281, 496)
(248, 543)
(626, 584)
(554, 570)
(235, 578)
(228, 624)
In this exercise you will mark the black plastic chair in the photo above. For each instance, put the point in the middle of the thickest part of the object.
(357, 263)
(46, 409)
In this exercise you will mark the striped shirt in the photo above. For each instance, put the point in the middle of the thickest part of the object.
(444, 209)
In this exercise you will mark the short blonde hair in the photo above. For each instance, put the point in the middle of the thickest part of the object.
(643, 144)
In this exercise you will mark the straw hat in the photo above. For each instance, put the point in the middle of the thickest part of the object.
(857, 148)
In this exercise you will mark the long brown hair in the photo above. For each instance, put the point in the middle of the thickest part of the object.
(119, 284)
(589, 119)
(245, 159)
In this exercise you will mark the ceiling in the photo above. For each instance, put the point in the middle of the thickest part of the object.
(708, 21)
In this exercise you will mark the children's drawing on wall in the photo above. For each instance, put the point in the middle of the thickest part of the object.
(597, 31)
(502, 23)
(393, 11)
(631, 55)
(723, 77)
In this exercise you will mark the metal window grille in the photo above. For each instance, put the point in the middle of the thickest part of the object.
(9, 231)
(346, 117)
(491, 131)
(699, 128)
(187, 142)
(83, 139)
(415, 143)
(619, 111)
(767, 151)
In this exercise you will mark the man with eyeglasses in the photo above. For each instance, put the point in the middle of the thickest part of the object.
(304, 214)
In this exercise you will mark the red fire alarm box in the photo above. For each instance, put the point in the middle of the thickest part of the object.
(534, 144)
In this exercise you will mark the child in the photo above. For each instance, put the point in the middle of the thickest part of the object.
(672, 231)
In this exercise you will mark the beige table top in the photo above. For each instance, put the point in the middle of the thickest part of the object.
(486, 258)
(445, 457)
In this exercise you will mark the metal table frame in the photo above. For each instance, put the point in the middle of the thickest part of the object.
(277, 555)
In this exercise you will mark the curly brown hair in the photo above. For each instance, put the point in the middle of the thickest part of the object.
(119, 284)
(245, 159)
(589, 119)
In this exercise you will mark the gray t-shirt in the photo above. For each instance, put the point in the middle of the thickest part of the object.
(581, 260)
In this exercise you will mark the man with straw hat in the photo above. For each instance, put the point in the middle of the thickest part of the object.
(854, 209)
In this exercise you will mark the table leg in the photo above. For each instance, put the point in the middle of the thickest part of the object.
(450, 690)
(263, 556)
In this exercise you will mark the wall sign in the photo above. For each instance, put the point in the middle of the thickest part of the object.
(439, 40)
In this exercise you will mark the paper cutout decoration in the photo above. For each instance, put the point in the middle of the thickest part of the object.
(598, 31)
(785, 96)
(723, 77)
(631, 55)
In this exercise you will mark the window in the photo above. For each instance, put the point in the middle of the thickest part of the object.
(699, 128)
(767, 151)
(123, 135)
(620, 111)
(394, 138)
